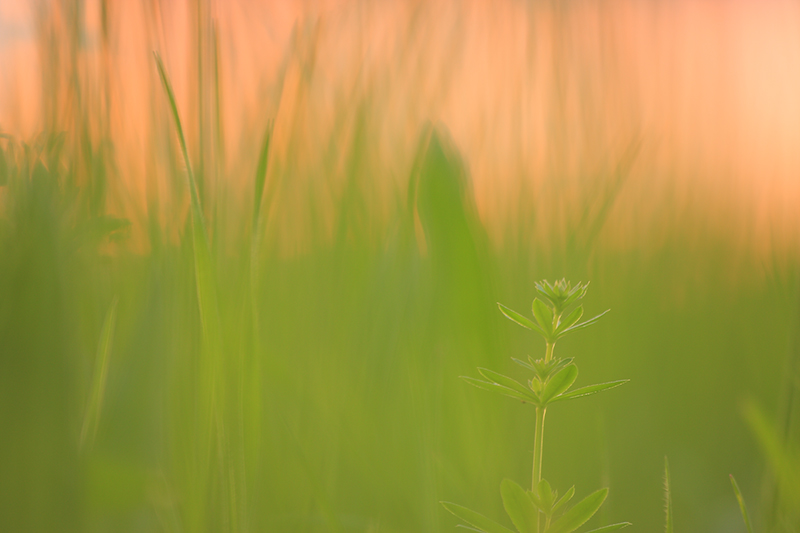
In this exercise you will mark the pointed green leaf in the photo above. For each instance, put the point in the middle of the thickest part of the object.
(468, 528)
(564, 499)
(586, 391)
(742, 506)
(571, 320)
(475, 519)
(523, 364)
(577, 293)
(494, 387)
(559, 383)
(505, 381)
(587, 323)
(545, 289)
(519, 319)
(579, 513)
(543, 315)
(612, 527)
(519, 506)
(559, 363)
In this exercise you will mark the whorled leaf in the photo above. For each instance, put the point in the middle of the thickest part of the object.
(494, 387)
(475, 519)
(547, 496)
(564, 500)
(559, 383)
(544, 316)
(519, 319)
(570, 320)
(505, 381)
(588, 390)
(585, 324)
(519, 506)
(580, 513)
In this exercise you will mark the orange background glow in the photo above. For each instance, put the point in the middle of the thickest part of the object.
(693, 100)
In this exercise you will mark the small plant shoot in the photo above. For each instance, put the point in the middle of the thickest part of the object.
(541, 509)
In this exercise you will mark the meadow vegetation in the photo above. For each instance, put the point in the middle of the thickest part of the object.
(269, 337)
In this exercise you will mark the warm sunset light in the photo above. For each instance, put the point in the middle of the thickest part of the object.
(248, 247)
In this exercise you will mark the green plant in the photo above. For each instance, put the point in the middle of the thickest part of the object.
(540, 510)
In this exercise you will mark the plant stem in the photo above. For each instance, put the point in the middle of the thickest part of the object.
(538, 443)
(537, 456)
(537, 447)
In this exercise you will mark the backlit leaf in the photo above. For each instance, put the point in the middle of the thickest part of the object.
(475, 519)
(544, 316)
(494, 387)
(559, 383)
(579, 513)
(518, 506)
(519, 319)
(612, 527)
(591, 389)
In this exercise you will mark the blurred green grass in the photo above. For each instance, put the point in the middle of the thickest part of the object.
(331, 400)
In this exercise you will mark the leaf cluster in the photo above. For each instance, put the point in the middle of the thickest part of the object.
(550, 383)
(525, 507)
(548, 312)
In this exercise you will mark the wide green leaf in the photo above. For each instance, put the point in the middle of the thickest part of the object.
(570, 320)
(505, 381)
(546, 495)
(559, 383)
(543, 315)
(519, 506)
(475, 519)
(579, 513)
(588, 390)
(612, 527)
(494, 387)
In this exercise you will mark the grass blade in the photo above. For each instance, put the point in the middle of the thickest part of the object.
(667, 499)
(211, 432)
(261, 176)
(742, 505)
(92, 417)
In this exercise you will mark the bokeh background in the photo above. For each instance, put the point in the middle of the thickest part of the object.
(374, 177)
